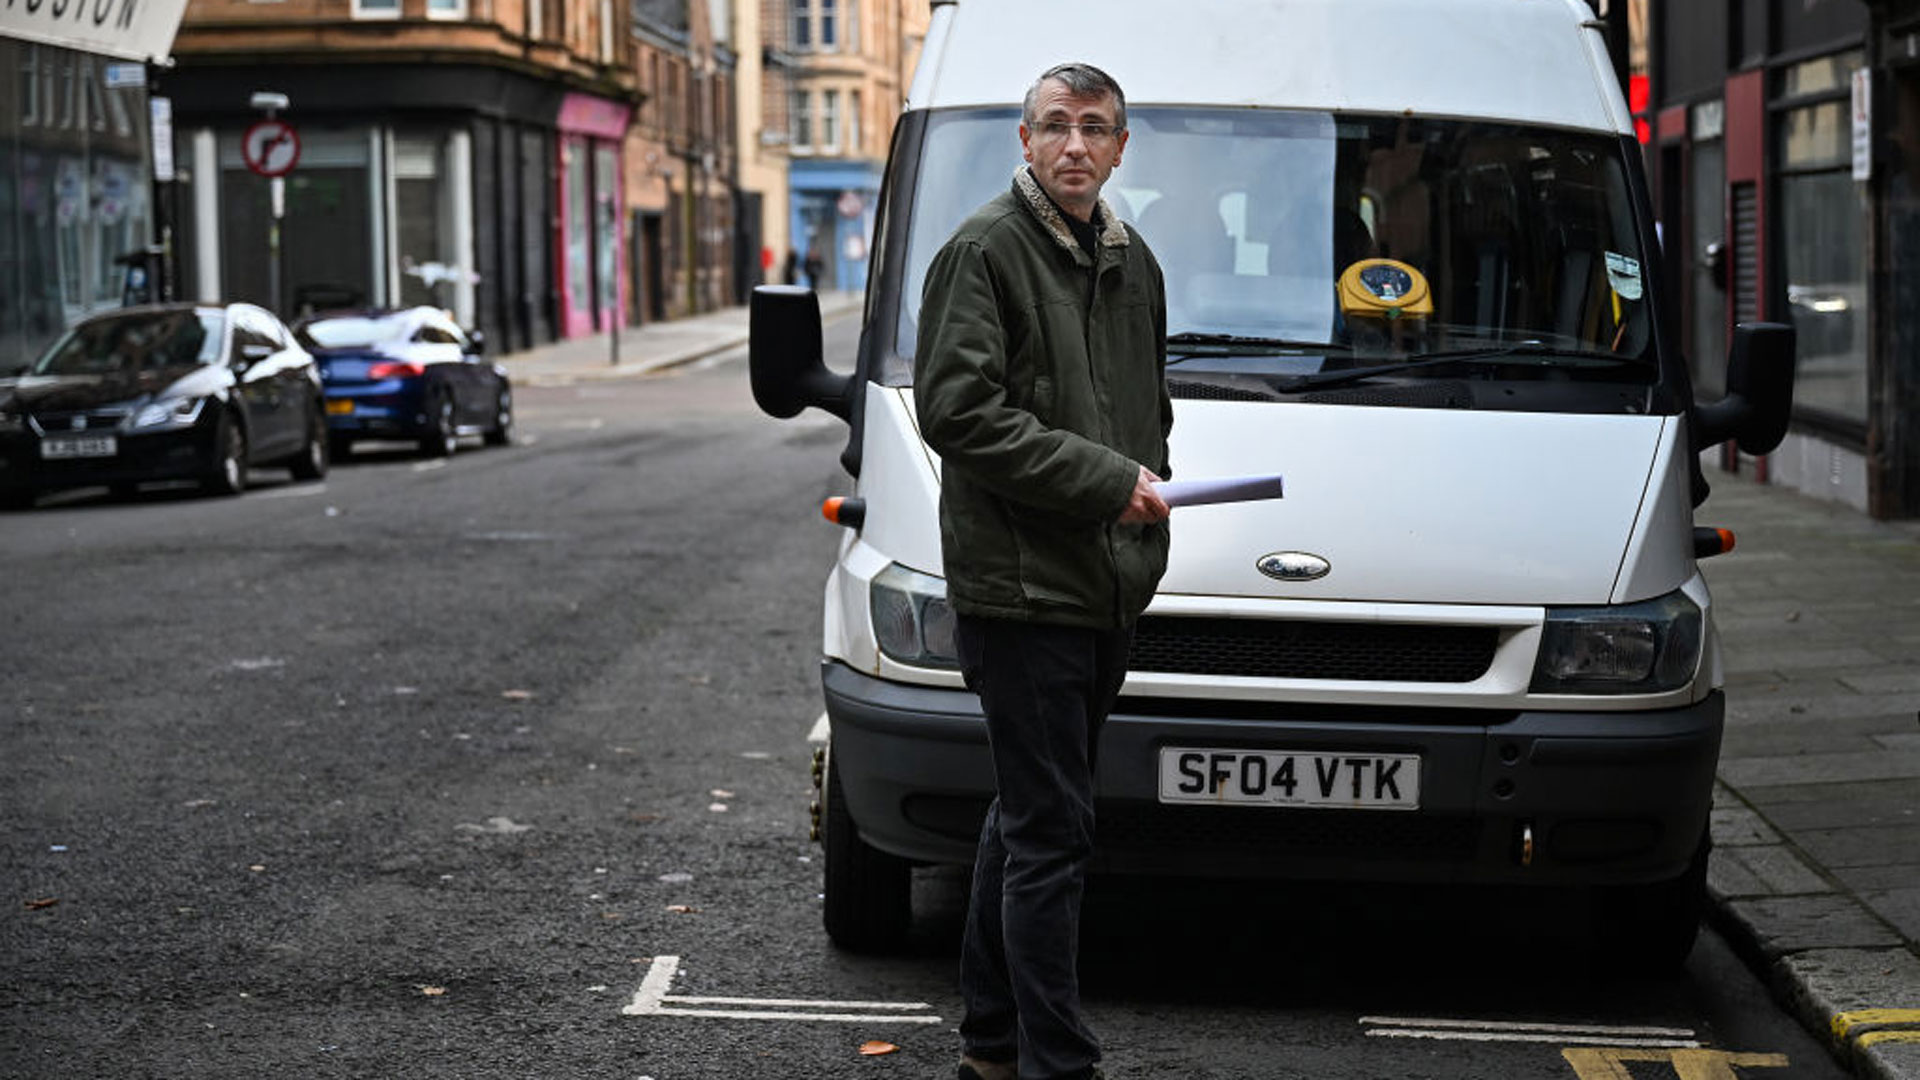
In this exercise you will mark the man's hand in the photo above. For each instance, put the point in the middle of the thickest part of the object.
(1146, 506)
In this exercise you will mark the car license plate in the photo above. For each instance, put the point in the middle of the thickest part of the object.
(1313, 778)
(338, 407)
(81, 447)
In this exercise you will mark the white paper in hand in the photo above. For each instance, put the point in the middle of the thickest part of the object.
(1231, 489)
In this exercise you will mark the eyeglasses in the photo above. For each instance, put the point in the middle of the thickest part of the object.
(1056, 131)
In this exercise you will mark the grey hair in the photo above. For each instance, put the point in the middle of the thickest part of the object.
(1081, 80)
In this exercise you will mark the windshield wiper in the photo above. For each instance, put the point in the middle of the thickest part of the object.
(1537, 352)
(1219, 344)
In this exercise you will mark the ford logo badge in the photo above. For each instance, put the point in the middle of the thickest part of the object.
(1294, 566)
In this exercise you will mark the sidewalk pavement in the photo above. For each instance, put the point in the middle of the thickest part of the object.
(649, 348)
(1815, 874)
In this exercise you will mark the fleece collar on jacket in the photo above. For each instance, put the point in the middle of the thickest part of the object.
(1112, 232)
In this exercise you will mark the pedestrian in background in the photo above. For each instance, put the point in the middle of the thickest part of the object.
(1051, 422)
(814, 267)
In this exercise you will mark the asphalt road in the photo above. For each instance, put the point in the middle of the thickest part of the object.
(455, 769)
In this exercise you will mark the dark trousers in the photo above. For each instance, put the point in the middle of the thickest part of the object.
(1046, 691)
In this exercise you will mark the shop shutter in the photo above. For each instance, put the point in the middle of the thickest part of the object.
(1746, 253)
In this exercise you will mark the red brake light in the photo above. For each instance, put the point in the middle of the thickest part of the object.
(395, 369)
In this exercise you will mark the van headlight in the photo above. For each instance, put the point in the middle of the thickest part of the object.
(168, 413)
(911, 619)
(1646, 648)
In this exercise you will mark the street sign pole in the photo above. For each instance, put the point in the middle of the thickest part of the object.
(271, 148)
(277, 198)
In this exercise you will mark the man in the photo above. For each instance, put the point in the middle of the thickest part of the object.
(1040, 382)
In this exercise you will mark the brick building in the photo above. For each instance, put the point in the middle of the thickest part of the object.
(690, 218)
(854, 61)
(464, 152)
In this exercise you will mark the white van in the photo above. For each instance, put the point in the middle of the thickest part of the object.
(1410, 266)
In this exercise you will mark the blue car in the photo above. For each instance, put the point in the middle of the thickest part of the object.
(411, 374)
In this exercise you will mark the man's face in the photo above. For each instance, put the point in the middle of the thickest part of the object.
(1070, 166)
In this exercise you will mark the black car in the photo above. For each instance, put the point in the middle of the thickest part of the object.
(410, 374)
(165, 392)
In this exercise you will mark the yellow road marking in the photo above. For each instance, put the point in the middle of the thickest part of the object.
(1610, 1063)
(1844, 1023)
(1873, 1038)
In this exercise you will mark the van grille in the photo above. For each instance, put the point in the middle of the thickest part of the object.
(1271, 649)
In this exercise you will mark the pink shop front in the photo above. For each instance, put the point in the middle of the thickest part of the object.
(590, 273)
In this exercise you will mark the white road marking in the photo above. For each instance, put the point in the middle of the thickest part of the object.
(429, 466)
(1411, 1027)
(294, 491)
(652, 999)
(1522, 1025)
(1575, 1037)
(796, 1003)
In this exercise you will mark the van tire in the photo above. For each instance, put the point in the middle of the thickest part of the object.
(1650, 929)
(869, 893)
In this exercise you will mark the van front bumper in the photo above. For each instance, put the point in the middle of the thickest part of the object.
(1548, 798)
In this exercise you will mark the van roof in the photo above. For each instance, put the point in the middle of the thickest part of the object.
(1534, 61)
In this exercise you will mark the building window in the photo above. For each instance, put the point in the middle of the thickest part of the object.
(446, 9)
(1823, 219)
(853, 122)
(802, 120)
(376, 9)
(816, 24)
(830, 121)
(652, 104)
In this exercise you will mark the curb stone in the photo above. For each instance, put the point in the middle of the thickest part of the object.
(1839, 969)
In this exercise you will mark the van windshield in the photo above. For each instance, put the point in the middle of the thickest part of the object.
(1292, 240)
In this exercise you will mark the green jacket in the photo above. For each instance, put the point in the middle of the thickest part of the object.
(1039, 379)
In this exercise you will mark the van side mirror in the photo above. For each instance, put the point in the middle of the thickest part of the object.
(784, 355)
(1759, 391)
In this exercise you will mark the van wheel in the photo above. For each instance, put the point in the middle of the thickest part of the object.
(869, 893)
(1650, 929)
